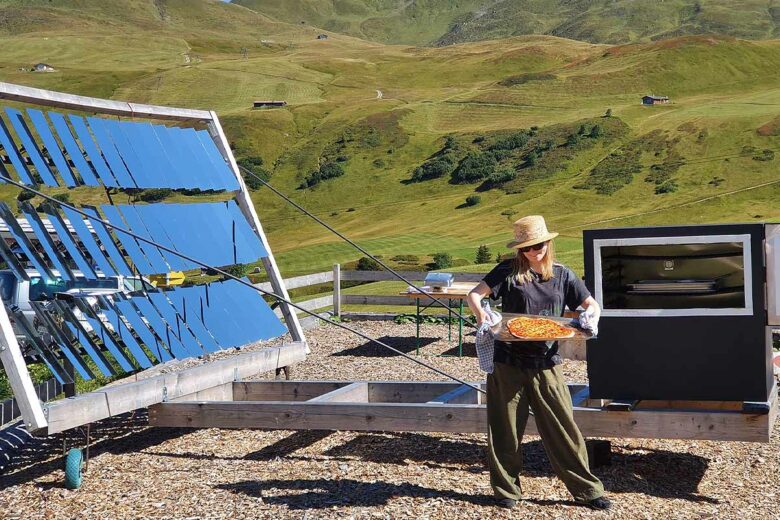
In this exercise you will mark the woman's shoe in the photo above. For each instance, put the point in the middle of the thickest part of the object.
(601, 503)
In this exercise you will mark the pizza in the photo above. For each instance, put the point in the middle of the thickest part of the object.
(541, 328)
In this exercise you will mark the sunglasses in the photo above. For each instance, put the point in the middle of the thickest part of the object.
(535, 247)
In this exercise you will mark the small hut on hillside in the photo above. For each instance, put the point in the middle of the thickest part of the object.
(655, 100)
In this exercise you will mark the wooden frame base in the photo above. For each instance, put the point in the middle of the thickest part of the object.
(447, 407)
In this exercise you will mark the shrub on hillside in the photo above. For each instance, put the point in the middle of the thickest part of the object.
(473, 200)
(433, 169)
(474, 167)
(501, 176)
(255, 165)
(24, 195)
(595, 132)
(378, 163)
(442, 261)
(328, 170)
(512, 142)
(666, 187)
(155, 194)
(765, 155)
(367, 264)
(237, 270)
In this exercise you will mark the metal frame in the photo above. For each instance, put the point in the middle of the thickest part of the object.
(10, 353)
(708, 239)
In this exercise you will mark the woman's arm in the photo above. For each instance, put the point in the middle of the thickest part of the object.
(475, 297)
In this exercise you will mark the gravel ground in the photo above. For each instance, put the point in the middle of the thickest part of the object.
(139, 472)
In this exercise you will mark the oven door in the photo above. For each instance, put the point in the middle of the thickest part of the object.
(701, 275)
(773, 273)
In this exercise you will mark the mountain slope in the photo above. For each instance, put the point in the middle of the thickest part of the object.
(442, 22)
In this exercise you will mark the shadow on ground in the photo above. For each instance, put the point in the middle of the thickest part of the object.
(124, 433)
(658, 473)
(404, 344)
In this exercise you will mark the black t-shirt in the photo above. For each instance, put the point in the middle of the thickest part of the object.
(539, 297)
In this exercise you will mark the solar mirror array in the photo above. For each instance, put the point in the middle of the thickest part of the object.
(90, 306)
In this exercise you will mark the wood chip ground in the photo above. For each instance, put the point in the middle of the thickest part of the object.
(140, 472)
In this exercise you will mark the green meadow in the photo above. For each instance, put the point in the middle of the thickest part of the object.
(381, 107)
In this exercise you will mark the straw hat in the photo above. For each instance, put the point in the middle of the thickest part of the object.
(530, 230)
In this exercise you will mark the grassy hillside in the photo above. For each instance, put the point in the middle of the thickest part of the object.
(379, 112)
(442, 22)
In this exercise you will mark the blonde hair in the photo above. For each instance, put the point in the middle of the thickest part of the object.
(521, 267)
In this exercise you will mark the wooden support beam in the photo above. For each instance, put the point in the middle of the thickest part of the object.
(461, 418)
(113, 400)
(463, 394)
(283, 390)
(351, 393)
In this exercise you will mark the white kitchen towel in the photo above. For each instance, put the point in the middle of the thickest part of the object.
(484, 340)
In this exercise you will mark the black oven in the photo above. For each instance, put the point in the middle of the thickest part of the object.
(687, 311)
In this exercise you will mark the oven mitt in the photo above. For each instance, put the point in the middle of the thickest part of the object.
(484, 341)
(589, 321)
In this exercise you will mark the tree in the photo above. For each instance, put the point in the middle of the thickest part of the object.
(582, 130)
(595, 132)
(531, 159)
(473, 200)
(608, 113)
(572, 140)
(483, 254)
(442, 260)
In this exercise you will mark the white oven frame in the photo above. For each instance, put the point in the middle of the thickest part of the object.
(744, 239)
(773, 273)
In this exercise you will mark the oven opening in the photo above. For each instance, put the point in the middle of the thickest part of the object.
(674, 276)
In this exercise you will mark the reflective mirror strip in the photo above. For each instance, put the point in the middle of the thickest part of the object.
(13, 263)
(76, 327)
(52, 147)
(42, 350)
(129, 243)
(137, 226)
(103, 336)
(124, 334)
(180, 160)
(159, 326)
(94, 154)
(90, 349)
(73, 354)
(223, 171)
(74, 152)
(199, 174)
(23, 131)
(195, 301)
(77, 223)
(214, 220)
(158, 219)
(120, 264)
(222, 293)
(154, 345)
(157, 170)
(249, 309)
(254, 247)
(131, 151)
(176, 323)
(109, 150)
(193, 319)
(186, 223)
(16, 159)
(67, 240)
(16, 231)
(39, 229)
(220, 318)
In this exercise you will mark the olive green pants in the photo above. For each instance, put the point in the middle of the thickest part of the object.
(510, 392)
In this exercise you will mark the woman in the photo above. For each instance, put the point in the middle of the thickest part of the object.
(528, 374)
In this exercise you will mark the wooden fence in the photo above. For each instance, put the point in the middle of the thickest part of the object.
(333, 302)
